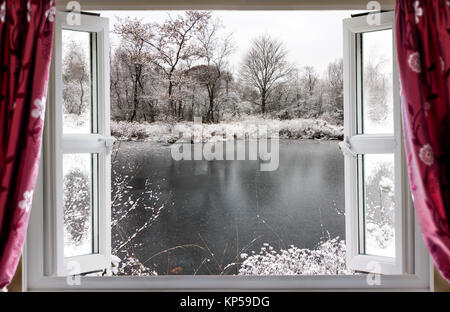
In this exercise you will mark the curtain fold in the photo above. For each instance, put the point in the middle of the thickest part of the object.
(26, 36)
(423, 53)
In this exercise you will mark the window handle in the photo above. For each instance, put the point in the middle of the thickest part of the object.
(346, 148)
(109, 142)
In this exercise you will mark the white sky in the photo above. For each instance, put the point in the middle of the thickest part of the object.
(312, 38)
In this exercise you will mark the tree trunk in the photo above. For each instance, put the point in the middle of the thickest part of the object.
(192, 105)
(180, 109)
(152, 113)
(171, 105)
(211, 109)
(80, 108)
(263, 102)
(210, 113)
(135, 99)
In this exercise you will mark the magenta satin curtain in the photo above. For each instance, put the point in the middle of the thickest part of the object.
(423, 52)
(26, 33)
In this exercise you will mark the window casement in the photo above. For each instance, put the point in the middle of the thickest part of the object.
(372, 144)
(403, 264)
(86, 148)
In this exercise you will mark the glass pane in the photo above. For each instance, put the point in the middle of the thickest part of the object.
(379, 204)
(80, 171)
(377, 88)
(77, 78)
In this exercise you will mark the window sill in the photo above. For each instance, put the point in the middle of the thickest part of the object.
(234, 283)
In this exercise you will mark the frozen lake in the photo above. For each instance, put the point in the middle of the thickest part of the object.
(215, 209)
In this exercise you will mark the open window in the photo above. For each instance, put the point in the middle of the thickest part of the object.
(81, 147)
(374, 169)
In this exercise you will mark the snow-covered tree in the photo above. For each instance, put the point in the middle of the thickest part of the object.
(169, 44)
(75, 79)
(264, 66)
(213, 51)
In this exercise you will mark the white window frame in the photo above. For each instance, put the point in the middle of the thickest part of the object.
(95, 143)
(35, 260)
(362, 144)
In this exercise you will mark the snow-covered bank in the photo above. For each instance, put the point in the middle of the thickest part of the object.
(231, 130)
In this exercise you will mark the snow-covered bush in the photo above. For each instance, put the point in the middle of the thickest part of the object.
(380, 238)
(73, 123)
(310, 129)
(327, 259)
(76, 206)
(129, 266)
(128, 131)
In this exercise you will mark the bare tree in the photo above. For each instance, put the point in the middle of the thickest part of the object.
(169, 43)
(310, 80)
(312, 87)
(264, 66)
(214, 51)
(335, 77)
(130, 60)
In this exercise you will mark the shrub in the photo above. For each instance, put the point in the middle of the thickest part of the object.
(327, 259)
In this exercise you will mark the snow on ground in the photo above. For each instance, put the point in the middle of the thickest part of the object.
(167, 132)
(228, 130)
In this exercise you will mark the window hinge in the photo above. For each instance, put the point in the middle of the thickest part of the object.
(109, 142)
(346, 148)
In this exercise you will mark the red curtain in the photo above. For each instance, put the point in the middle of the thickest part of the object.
(26, 34)
(423, 52)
